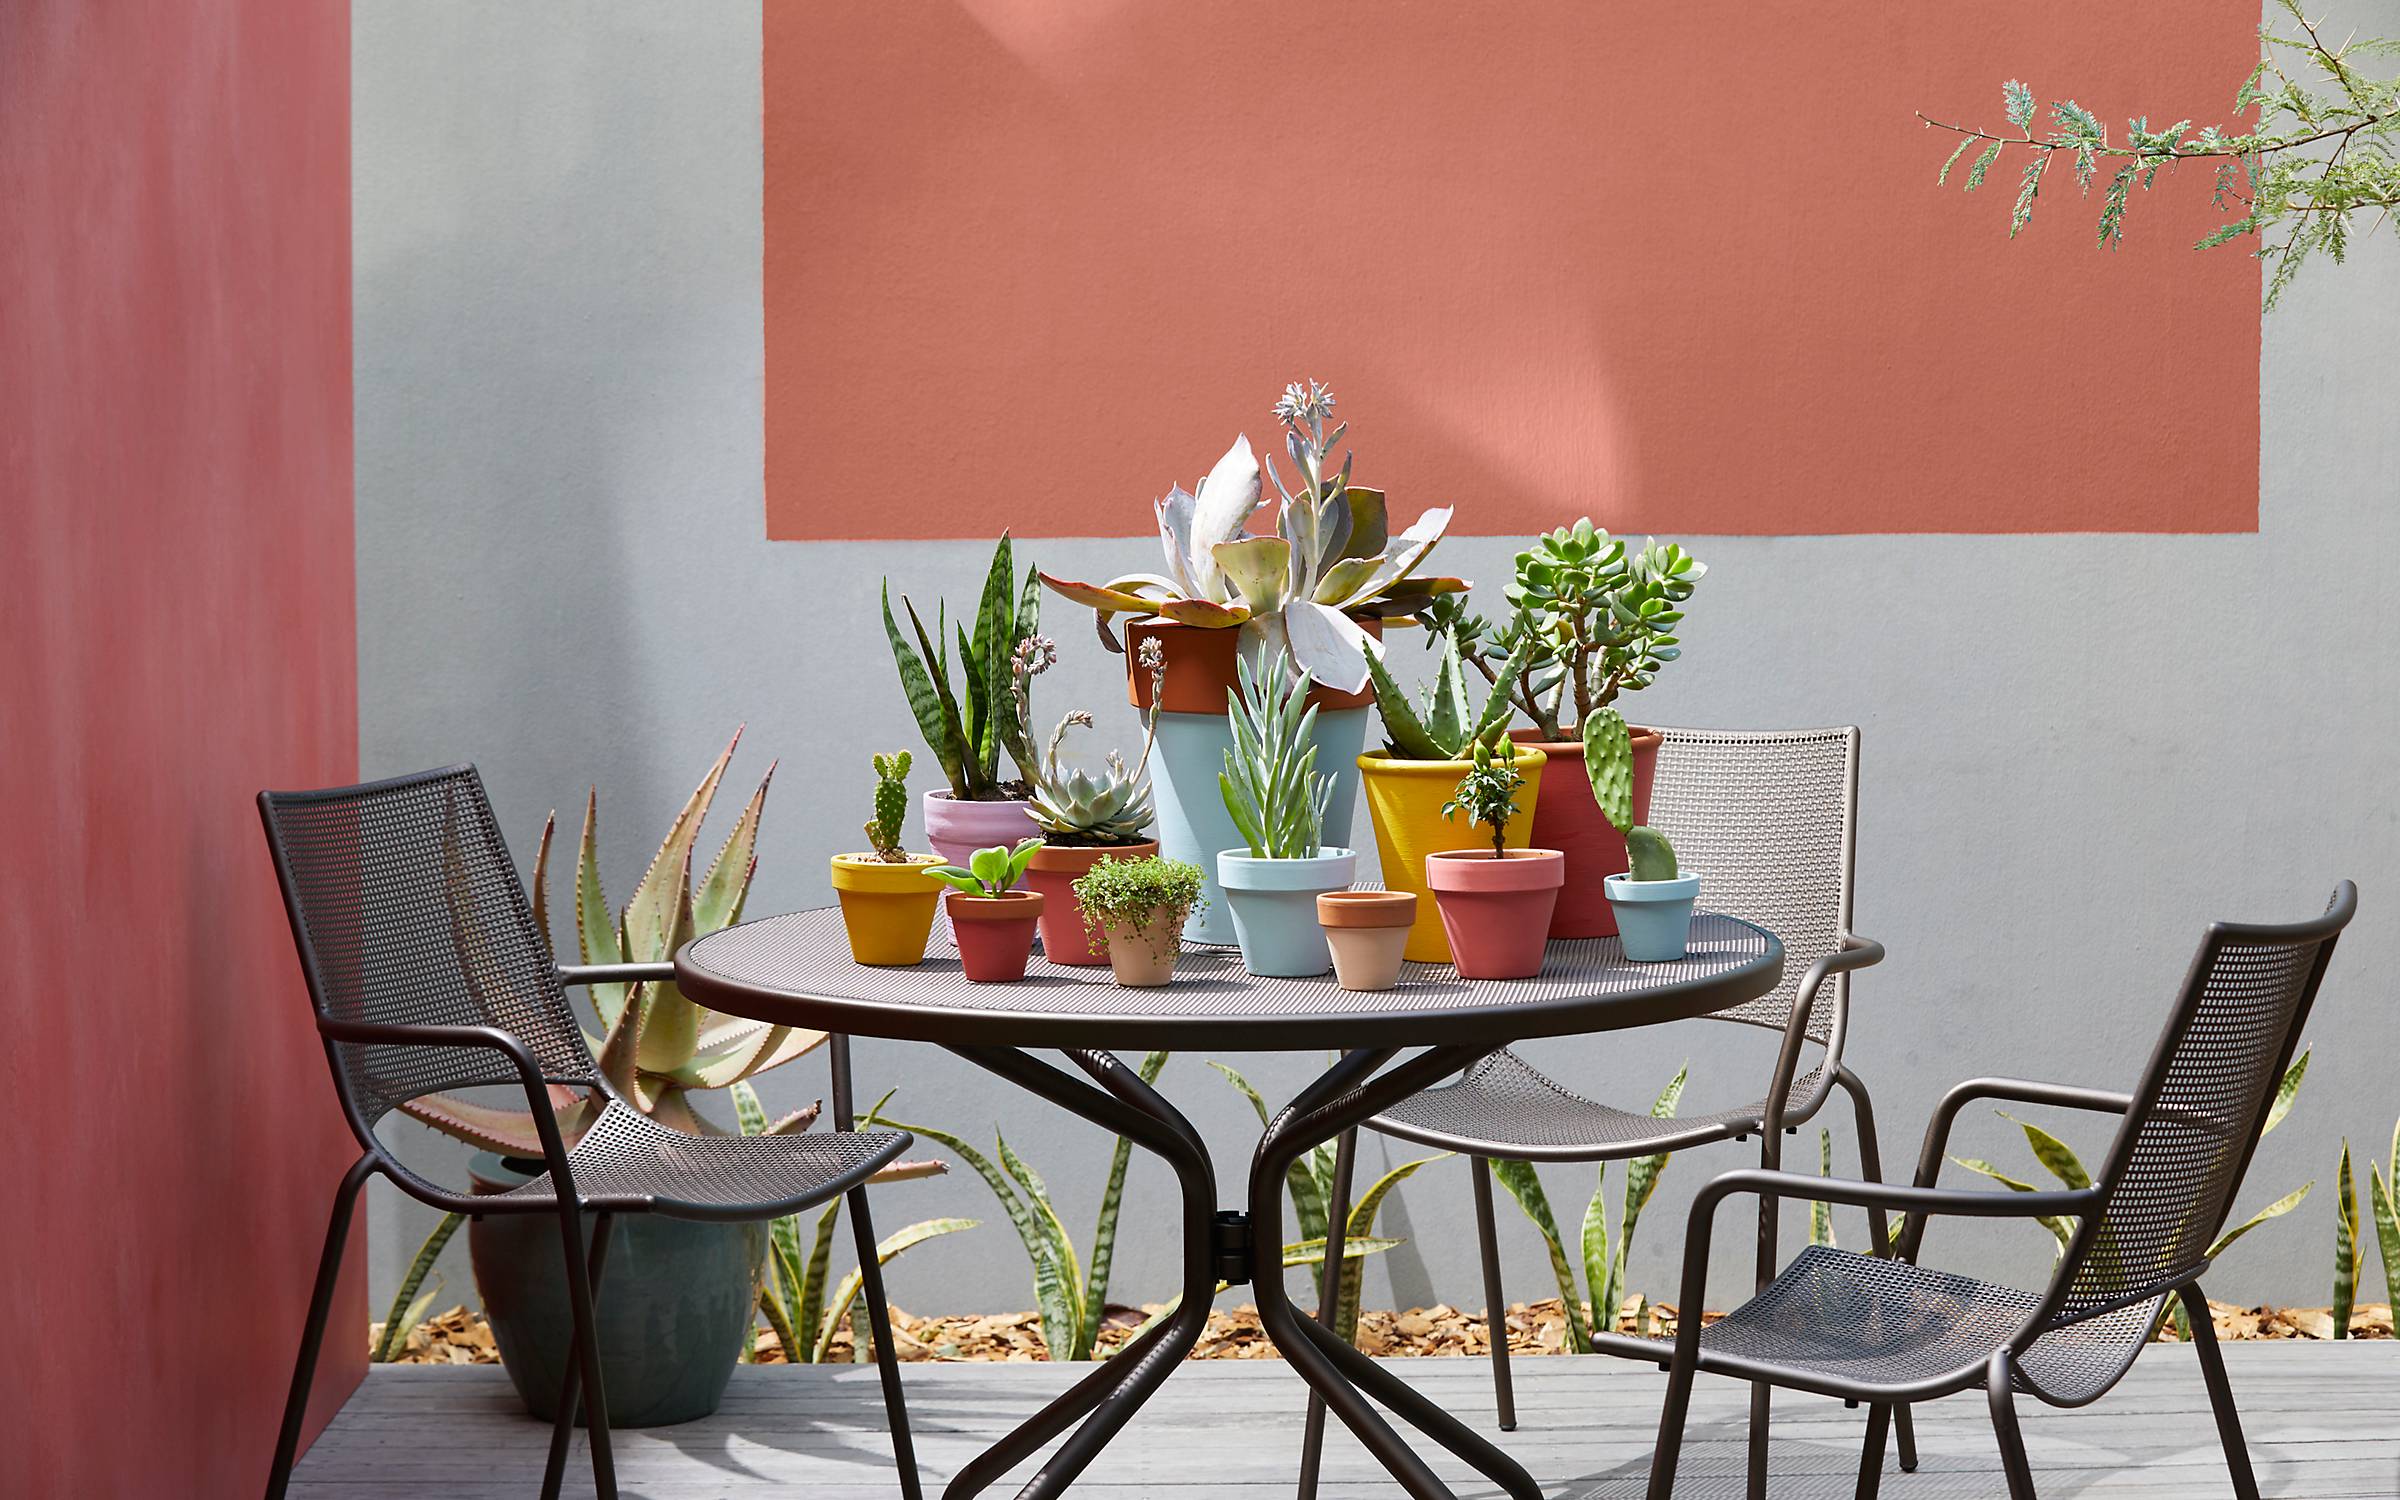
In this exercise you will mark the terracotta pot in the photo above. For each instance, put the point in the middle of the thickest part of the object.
(1570, 821)
(995, 933)
(1404, 798)
(1143, 958)
(886, 908)
(956, 829)
(1202, 667)
(1066, 939)
(1496, 909)
(1368, 932)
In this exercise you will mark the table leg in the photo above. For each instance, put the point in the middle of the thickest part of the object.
(1347, 1095)
(1107, 1398)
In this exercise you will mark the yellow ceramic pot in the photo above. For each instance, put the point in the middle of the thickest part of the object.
(1404, 798)
(887, 908)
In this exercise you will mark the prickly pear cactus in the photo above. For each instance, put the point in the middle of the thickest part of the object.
(891, 807)
(1649, 856)
(1608, 760)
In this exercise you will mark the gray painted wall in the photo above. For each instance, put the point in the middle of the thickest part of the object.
(2078, 748)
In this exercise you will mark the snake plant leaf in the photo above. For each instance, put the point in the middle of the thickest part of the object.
(2274, 1210)
(2345, 1246)
(1220, 510)
(408, 1309)
(1311, 1252)
(937, 711)
(2286, 1091)
(1595, 1249)
(2056, 1157)
(808, 1308)
(726, 887)
(1020, 1216)
(1328, 645)
(983, 751)
(1057, 1284)
(1820, 1212)
(2062, 1229)
(670, 1022)
(1258, 569)
(838, 1306)
(1104, 1232)
(1608, 761)
(596, 931)
(2383, 1199)
(541, 886)
(1525, 1185)
(1362, 1226)
(1641, 1180)
(663, 899)
(1401, 728)
(1308, 1195)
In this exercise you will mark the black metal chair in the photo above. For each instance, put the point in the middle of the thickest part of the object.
(427, 975)
(1770, 819)
(1888, 1331)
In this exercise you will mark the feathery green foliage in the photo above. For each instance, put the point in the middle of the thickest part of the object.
(1270, 783)
(1487, 794)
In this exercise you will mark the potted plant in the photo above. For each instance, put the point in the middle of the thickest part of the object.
(887, 903)
(1601, 622)
(1368, 933)
(1140, 906)
(1317, 591)
(1411, 780)
(994, 921)
(1276, 798)
(1495, 903)
(1653, 895)
(679, 1291)
(967, 726)
(1084, 818)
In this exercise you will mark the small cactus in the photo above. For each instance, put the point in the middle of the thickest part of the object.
(1649, 856)
(891, 807)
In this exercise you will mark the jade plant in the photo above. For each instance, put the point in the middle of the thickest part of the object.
(1487, 794)
(990, 873)
(1331, 562)
(967, 726)
(1074, 806)
(1608, 759)
(1270, 783)
(657, 1047)
(891, 808)
(1135, 894)
(1444, 725)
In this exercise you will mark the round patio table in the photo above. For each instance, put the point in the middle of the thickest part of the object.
(796, 970)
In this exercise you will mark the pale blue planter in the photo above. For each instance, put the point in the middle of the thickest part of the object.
(1274, 906)
(1192, 822)
(1654, 917)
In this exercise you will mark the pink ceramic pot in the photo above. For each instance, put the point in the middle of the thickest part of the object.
(1054, 870)
(995, 933)
(1496, 910)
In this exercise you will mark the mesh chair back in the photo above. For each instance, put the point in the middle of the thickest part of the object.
(1768, 820)
(407, 911)
(2187, 1141)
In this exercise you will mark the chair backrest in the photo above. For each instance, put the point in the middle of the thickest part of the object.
(1769, 820)
(407, 911)
(2180, 1155)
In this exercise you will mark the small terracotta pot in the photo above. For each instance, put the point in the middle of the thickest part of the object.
(1143, 957)
(1496, 910)
(887, 909)
(1368, 931)
(995, 933)
(1054, 870)
(1569, 820)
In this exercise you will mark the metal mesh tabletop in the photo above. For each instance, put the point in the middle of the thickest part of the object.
(797, 970)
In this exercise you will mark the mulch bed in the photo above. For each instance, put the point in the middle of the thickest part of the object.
(460, 1337)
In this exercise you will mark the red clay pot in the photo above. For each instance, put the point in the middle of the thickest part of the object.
(1496, 911)
(995, 933)
(1202, 666)
(1053, 872)
(1566, 818)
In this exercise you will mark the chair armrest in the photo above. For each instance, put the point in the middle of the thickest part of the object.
(2017, 1090)
(490, 1038)
(1854, 953)
(573, 974)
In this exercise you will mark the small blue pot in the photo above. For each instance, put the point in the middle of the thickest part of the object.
(1274, 904)
(1654, 917)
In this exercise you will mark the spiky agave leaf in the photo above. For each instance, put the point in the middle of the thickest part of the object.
(670, 1022)
(663, 898)
(726, 887)
(541, 885)
(597, 935)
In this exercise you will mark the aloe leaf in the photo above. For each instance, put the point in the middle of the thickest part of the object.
(2285, 1092)
(1595, 1250)
(1104, 1233)
(1498, 708)
(541, 886)
(1056, 1272)
(664, 896)
(1361, 1226)
(1525, 1186)
(509, 1132)
(2345, 1247)
(1401, 727)
(408, 1310)
(2062, 1229)
(1447, 710)
(901, 1239)
(2056, 1157)
(2384, 1199)
(670, 1021)
(620, 1051)
(726, 887)
(595, 924)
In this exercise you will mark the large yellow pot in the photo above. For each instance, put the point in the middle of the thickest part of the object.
(887, 908)
(1404, 798)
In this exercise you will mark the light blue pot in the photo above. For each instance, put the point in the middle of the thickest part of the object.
(1192, 822)
(1274, 906)
(1654, 917)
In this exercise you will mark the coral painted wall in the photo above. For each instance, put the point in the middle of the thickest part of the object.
(176, 631)
(1684, 267)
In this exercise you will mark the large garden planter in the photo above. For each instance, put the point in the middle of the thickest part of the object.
(1654, 917)
(1495, 908)
(957, 829)
(1404, 799)
(995, 933)
(1571, 822)
(1193, 738)
(1368, 933)
(673, 1310)
(887, 909)
(1066, 938)
(1274, 905)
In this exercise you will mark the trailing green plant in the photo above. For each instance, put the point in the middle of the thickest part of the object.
(891, 808)
(990, 873)
(2277, 174)
(792, 1293)
(1608, 761)
(1130, 893)
(408, 1306)
(1270, 783)
(2061, 1162)
(1487, 794)
(1603, 1265)
(1444, 724)
(1072, 806)
(1303, 591)
(1600, 621)
(967, 726)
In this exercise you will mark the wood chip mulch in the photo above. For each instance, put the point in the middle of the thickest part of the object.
(460, 1337)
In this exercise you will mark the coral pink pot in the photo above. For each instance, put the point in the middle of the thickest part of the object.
(1066, 939)
(1567, 819)
(1496, 911)
(995, 933)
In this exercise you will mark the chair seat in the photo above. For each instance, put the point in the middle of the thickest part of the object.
(1505, 1106)
(629, 1161)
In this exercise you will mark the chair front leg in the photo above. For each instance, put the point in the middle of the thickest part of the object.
(2220, 1392)
(1770, 1157)
(1870, 1161)
(887, 1354)
(587, 1341)
(2001, 1395)
(1671, 1417)
(570, 1391)
(312, 1330)
(1495, 1302)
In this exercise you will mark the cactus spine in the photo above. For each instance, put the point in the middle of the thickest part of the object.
(891, 807)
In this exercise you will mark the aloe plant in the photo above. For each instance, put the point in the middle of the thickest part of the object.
(1444, 724)
(1331, 562)
(1271, 786)
(1603, 1266)
(967, 726)
(408, 1306)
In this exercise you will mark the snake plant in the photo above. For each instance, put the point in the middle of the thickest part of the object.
(967, 726)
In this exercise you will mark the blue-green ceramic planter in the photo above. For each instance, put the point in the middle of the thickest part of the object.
(1654, 917)
(1274, 907)
(1192, 822)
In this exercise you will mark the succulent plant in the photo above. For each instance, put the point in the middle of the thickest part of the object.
(1446, 725)
(1648, 855)
(657, 1047)
(1331, 562)
(967, 727)
(990, 872)
(1270, 783)
(1073, 806)
(1608, 759)
(1487, 794)
(891, 808)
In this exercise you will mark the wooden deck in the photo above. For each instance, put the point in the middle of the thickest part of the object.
(2324, 1423)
